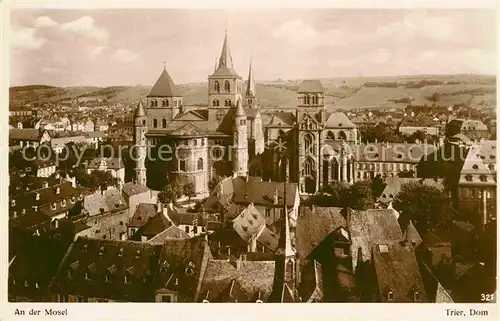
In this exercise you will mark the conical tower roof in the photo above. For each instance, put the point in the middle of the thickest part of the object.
(239, 110)
(164, 86)
(139, 110)
(250, 92)
(225, 67)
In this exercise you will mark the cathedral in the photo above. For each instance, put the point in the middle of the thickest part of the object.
(311, 147)
(192, 145)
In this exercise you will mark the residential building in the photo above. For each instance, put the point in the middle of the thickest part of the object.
(164, 120)
(114, 166)
(477, 183)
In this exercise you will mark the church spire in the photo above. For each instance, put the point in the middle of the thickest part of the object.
(250, 92)
(225, 59)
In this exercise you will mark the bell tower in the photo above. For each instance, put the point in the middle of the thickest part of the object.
(140, 130)
(224, 85)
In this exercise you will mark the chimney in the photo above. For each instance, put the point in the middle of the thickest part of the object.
(238, 262)
(159, 207)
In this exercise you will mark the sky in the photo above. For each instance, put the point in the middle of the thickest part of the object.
(111, 47)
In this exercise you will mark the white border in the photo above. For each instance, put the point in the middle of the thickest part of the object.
(152, 311)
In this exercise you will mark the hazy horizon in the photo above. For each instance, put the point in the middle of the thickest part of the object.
(125, 47)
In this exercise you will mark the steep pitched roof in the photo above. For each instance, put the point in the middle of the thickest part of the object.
(248, 223)
(371, 227)
(131, 189)
(314, 225)
(250, 92)
(260, 192)
(142, 214)
(172, 232)
(311, 86)
(225, 67)
(25, 134)
(254, 279)
(339, 120)
(164, 87)
(184, 261)
(240, 111)
(397, 270)
(106, 263)
(139, 110)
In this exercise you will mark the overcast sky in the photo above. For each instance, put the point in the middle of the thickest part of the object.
(129, 47)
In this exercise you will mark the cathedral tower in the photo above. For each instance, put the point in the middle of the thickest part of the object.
(165, 96)
(224, 85)
(311, 115)
(240, 142)
(250, 88)
(140, 143)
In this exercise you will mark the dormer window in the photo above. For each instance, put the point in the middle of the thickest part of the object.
(483, 178)
(45, 184)
(53, 206)
(475, 166)
(14, 214)
(63, 203)
(37, 286)
(26, 284)
(126, 279)
(101, 250)
(468, 178)
(58, 190)
(72, 200)
(120, 252)
(13, 202)
(390, 296)
(138, 254)
(106, 277)
(87, 275)
(37, 196)
(416, 296)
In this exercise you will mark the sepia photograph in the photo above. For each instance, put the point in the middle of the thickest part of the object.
(251, 155)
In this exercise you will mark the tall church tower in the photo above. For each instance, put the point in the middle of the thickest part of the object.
(250, 89)
(224, 85)
(240, 141)
(311, 116)
(140, 143)
(165, 96)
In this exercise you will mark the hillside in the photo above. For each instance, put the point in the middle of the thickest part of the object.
(347, 93)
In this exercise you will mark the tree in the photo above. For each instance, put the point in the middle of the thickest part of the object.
(96, 179)
(189, 190)
(360, 195)
(170, 193)
(424, 205)
(378, 186)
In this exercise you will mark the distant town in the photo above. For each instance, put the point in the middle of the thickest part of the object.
(286, 191)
